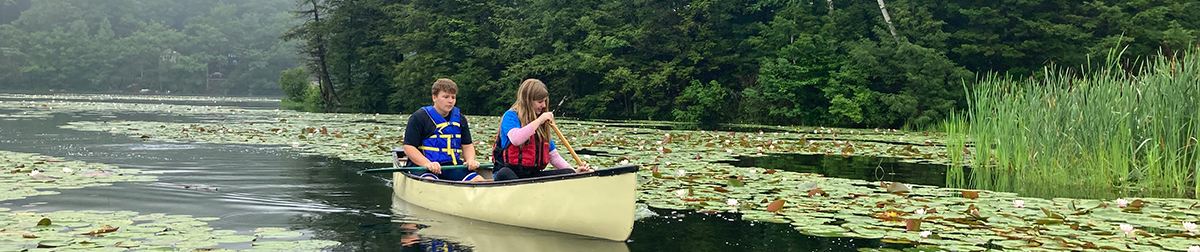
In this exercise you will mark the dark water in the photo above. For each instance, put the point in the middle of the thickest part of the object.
(266, 186)
(854, 167)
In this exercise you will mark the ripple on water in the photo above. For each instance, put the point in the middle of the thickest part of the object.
(263, 219)
(161, 146)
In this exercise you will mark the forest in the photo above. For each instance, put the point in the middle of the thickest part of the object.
(898, 63)
(216, 47)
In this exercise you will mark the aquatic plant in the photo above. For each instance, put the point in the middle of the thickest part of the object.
(26, 174)
(1111, 130)
(127, 230)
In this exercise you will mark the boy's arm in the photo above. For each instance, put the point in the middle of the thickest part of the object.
(417, 157)
(412, 138)
(469, 156)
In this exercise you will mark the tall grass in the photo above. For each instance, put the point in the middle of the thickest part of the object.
(956, 125)
(1110, 130)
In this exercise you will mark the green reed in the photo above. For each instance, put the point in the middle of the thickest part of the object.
(1109, 131)
(956, 125)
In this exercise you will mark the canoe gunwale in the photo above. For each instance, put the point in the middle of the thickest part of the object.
(614, 171)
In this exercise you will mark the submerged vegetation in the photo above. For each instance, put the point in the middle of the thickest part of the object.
(1116, 129)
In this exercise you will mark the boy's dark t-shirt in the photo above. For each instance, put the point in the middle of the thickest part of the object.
(421, 127)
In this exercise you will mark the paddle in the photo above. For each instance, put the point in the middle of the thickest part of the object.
(566, 143)
(397, 169)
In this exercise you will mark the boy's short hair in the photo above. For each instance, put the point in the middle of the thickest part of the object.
(446, 85)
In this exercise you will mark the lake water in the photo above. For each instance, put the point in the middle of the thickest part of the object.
(252, 186)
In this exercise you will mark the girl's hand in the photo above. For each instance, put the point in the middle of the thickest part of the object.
(585, 168)
(546, 116)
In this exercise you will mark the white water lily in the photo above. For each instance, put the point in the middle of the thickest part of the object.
(625, 162)
(1189, 226)
(295, 144)
(34, 173)
(1194, 249)
(731, 202)
(1122, 202)
(669, 164)
(345, 145)
(920, 211)
(1019, 203)
(682, 173)
(1127, 228)
(925, 234)
(681, 193)
(752, 171)
(68, 170)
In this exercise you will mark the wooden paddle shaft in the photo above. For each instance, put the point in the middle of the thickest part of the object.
(566, 143)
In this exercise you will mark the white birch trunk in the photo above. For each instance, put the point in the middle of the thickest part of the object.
(830, 5)
(887, 19)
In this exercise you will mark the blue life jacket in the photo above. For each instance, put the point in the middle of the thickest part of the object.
(446, 144)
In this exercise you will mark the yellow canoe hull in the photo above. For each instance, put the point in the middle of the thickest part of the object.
(596, 204)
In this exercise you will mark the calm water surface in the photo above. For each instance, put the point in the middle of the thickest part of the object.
(854, 167)
(256, 186)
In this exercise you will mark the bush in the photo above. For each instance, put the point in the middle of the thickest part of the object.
(298, 94)
(704, 104)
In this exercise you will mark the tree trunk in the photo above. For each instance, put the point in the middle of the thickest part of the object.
(328, 95)
(887, 19)
(830, 5)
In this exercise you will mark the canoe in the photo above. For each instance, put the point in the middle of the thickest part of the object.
(483, 236)
(596, 204)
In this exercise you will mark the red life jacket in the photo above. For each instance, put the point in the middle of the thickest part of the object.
(534, 154)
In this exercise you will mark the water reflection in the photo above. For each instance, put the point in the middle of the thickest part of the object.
(854, 167)
(691, 231)
(438, 229)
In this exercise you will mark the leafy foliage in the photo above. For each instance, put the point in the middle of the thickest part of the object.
(705, 104)
(780, 62)
(109, 46)
(831, 63)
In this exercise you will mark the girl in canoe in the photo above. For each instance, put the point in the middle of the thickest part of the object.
(523, 145)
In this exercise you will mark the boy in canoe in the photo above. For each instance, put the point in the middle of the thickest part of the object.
(439, 135)
(523, 146)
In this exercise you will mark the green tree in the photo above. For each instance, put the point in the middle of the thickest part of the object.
(704, 104)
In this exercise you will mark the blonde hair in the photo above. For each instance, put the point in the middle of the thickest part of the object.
(531, 90)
